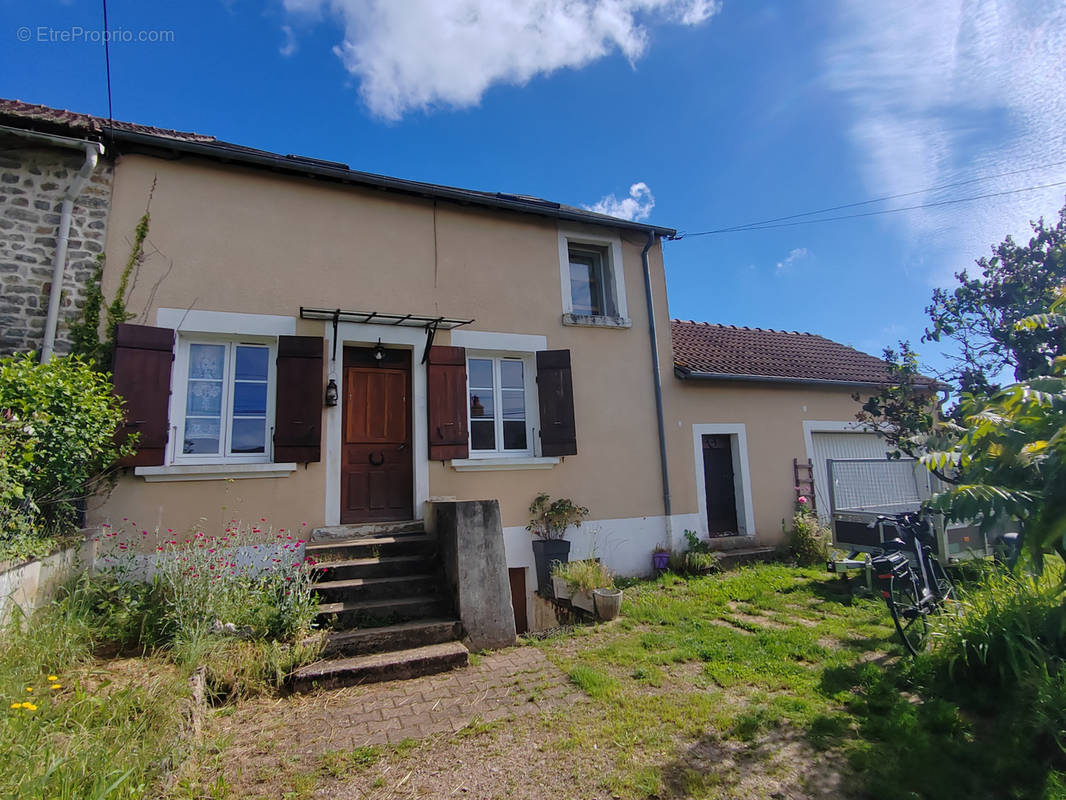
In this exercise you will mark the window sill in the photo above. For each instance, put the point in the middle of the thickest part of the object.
(214, 472)
(503, 463)
(584, 321)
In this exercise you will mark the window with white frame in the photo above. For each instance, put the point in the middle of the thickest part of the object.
(499, 392)
(224, 400)
(592, 280)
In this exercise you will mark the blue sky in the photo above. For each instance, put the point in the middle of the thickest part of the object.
(727, 112)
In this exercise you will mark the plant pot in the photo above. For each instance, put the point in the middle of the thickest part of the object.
(608, 603)
(561, 589)
(660, 560)
(545, 553)
(582, 598)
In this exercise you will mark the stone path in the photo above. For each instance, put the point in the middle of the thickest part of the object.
(517, 681)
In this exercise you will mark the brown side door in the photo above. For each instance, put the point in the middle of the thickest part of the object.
(377, 474)
(719, 485)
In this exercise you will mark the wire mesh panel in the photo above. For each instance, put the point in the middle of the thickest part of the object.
(883, 485)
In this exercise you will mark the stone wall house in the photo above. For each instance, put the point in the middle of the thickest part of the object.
(34, 176)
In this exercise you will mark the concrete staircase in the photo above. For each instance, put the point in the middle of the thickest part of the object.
(380, 592)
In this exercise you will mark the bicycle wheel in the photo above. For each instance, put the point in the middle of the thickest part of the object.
(908, 614)
(947, 600)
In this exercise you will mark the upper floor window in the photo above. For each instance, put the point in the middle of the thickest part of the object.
(226, 402)
(499, 420)
(590, 291)
(592, 280)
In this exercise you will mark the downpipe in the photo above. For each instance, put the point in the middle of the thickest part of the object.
(93, 151)
(657, 379)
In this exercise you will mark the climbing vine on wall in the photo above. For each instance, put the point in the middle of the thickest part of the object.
(85, 334)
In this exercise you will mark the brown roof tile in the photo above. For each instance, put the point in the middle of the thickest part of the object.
(702, 347)
(60, 121)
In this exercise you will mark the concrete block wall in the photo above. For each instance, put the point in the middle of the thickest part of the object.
(32, 182)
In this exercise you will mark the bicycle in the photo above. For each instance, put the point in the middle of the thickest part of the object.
(912, 580)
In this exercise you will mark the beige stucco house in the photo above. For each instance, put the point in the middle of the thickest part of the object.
(313, 344)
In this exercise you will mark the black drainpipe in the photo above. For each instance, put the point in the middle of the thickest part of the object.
(658, 382)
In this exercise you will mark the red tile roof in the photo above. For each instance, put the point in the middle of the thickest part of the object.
(748, 353)
(57, 120)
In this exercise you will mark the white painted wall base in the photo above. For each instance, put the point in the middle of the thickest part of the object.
(624, 545)
(32, 584)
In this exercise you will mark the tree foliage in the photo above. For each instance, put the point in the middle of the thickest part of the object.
(1013, 453)
(981, 314)
(904, 410)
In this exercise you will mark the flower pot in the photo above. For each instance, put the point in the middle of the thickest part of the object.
(545, 553)
(582, 598)
(608, 602)
(660, 560)
(560, 588)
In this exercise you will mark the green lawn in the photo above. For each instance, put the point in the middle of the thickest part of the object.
(774, 679)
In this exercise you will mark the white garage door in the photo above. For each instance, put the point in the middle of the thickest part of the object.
(840, 445)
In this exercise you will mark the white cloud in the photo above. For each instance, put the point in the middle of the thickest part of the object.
(636, 207)
(794, 255)
(290, 46)
(947, 91)
(419, 54)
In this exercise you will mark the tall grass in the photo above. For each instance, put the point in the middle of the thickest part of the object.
(1004, 654)
(69, 732)
(1009, 624)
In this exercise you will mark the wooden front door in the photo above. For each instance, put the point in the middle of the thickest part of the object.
(719, 484)
(377, 474)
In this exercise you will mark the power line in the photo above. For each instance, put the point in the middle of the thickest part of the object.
(755, 226)
(107, 66)
(898, 196)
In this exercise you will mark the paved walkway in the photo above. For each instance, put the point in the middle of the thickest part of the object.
(517, 681)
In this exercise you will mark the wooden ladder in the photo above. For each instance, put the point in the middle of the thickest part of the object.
(803, 474)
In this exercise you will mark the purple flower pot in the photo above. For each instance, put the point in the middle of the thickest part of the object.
(660, 560)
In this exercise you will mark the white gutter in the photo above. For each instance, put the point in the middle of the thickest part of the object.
(93, 151)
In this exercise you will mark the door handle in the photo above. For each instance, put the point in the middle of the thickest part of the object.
(402, 447)
(377, 462)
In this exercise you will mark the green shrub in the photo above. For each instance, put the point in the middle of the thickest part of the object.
(549, 518)
(698, 559)
(809, 542)
(60, 420)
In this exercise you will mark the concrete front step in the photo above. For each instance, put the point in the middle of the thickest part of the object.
(350, 614)
(405, 544)
(740, 556)
(363, 589)
(335, 532)
(382, 567)
(389, 666)
(404, 636)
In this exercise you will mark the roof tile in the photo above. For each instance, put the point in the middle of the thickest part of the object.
(703, 347)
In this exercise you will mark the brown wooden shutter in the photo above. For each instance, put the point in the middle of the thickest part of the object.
(555, 389)
(446, 389)
(298, 410)
(141, 376)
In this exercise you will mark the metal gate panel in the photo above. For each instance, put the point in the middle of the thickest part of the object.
(836, 446)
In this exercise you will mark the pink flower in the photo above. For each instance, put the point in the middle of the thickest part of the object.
(801, 500)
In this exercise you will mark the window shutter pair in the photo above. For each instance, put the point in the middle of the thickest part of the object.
(141, 375)
(449, 435)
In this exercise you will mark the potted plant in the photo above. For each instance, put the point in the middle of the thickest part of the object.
(548, 522)
(660, 557)
(583, 579)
